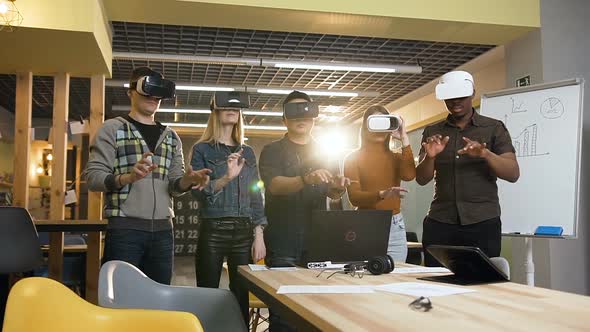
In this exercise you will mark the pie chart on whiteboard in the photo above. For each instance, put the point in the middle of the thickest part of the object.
(552, 108)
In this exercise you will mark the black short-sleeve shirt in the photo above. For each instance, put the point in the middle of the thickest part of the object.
(287, 215)
(465, 190)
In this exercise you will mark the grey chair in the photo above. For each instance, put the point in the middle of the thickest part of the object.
(122, 285)
(502, 264)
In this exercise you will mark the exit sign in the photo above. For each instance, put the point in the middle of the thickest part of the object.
(524, 81)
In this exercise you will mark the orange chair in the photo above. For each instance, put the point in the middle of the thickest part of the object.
(255, 305)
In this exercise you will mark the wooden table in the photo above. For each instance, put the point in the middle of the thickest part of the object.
(494, 307)
(93, 250)
(75, 248)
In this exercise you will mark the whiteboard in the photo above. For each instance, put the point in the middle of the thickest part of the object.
(545, 123)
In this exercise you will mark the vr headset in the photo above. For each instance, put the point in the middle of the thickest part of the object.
(231, 99)
(383, 123)
(154, 86)
(305, 110)
(455, 84)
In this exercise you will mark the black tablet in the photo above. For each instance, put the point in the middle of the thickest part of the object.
(469, 265)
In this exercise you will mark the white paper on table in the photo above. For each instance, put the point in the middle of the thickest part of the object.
(309, 289)
(422, 289)
(409, 270)
(287, 268)
(257, 267)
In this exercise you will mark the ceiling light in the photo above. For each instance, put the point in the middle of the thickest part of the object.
(332, 142)
(186, 58)
(125, 108)
(183, 124)
(180, 110)
(193, 87)
(204, 125)
(336, 66)
(309, 92)
(264, 113)
(330, 117)
(332, 109)
(202, 88)
(10, 17)
(266, 127)
(258, 89)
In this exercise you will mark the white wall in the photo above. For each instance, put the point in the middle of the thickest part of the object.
(566, 53)
(523, 57)
(559, 50)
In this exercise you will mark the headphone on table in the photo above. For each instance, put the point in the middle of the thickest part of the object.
(376, 265)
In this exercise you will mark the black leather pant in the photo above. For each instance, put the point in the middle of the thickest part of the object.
(218, 239)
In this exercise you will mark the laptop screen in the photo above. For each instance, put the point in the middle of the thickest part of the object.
(346, 236)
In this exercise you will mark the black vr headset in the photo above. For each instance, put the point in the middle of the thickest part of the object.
(154, 86)
(231, 99)
(304, 110)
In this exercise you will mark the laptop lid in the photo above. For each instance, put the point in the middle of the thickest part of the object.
(469, 265)
(346, 236)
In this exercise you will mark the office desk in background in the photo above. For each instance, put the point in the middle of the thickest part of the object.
(93, 249)
(414, 245)
(494, 307)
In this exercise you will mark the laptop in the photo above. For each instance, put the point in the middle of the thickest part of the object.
(469, 265)
(346, 236)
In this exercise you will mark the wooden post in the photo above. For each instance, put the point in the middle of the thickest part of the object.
(22, 138)
(93, 255)
(79, 170)
(61, 94)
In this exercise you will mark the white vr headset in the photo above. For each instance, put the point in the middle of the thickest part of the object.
(455, 84)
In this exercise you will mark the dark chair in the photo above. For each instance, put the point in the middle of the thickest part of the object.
(414, 254)
(19, 247)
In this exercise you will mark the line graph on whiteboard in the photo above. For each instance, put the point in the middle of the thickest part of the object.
(517, 106)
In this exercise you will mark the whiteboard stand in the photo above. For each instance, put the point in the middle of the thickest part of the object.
(529, 266)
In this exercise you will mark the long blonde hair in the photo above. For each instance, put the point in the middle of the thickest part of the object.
(214, 130)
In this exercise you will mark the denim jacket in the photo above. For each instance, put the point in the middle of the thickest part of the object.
(241, 197)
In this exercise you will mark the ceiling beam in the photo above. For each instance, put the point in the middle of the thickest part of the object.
(461, 21)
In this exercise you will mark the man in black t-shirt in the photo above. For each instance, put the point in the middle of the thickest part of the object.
(297, 181)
